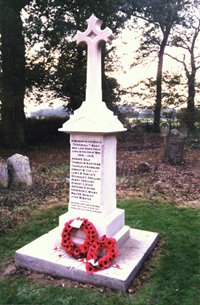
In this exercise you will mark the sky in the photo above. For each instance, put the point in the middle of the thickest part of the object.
(126, 44)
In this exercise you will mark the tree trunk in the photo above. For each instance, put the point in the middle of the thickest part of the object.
(13, 77)
(158, 102)
(191, 105)
(191, 92)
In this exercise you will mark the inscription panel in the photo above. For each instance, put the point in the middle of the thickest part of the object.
(85, 174)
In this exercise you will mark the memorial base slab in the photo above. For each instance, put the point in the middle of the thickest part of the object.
(44, 256)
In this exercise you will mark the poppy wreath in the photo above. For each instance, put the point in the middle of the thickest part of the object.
(96, 262)
(78, 251)
(92, 248)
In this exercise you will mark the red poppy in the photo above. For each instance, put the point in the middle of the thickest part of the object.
(99, 253)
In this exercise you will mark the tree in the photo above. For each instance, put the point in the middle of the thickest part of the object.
(160, 17)
(173, 90)
(13, 68)
(51, 24)
(55, 24)
(186, 38)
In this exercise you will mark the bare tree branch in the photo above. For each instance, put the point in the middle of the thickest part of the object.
(180, 61)
(175, 58)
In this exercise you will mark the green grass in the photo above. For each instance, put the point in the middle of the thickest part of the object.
(174, 276)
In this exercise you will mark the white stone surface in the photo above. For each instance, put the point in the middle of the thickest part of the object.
(85, 173)
(3, 174)
(92, 130)
(109, 225)
(19, 170)
(92, 174)
(93, 37)
(93, 116)
(40, 256)
(93, 183)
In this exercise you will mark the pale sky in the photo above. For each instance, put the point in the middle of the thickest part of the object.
(126, 45)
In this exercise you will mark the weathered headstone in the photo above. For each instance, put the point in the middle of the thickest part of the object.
(3, 174)
(19, 170)
(92, 130)
(174, 148)
(164, 129)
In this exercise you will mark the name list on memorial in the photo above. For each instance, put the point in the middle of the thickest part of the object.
(85, 174)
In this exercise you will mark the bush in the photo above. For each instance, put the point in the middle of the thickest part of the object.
(43, 130)
(182, 116)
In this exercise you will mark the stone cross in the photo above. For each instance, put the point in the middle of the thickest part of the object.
(93, 37)
(92, 194)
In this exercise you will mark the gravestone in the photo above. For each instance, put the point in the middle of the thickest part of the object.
(174, 148)
(3, 174)
(92, 128)
(19, 170)
(164, 129)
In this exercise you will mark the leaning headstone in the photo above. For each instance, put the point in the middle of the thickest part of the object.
(19, 170)
(3, 174)
(174, 148)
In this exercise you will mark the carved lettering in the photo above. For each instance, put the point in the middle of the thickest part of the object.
(85, 185)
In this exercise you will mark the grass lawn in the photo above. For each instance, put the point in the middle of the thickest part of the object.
(173, 274)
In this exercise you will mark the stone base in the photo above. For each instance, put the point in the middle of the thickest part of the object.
(88, 119)
(106, 225)
(41, 255)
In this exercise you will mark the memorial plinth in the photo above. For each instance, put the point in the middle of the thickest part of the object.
(93, 184)
(92, 128)
(93, 171)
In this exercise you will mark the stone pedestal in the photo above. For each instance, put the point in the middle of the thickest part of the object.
(93, 184)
